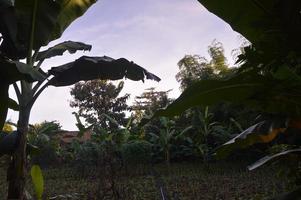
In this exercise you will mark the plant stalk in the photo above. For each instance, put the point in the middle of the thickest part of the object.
(17, 168)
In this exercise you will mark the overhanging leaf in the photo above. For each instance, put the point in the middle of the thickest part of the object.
(243, 15)
(52, 18)
(69, 11)
(271, 157)
(8, 30)
(37, 180)
(106, 68)
(59, 49)
(264, 93)
(261, 21)
(208, 92)
(262, 132)
(12, 104)
(12, 71)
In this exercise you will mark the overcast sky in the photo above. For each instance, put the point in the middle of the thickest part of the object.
(155, 34)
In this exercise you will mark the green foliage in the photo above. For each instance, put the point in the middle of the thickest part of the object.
(194, 67)
(43, 138)
(207, 134)
(13, 71)
(98, 101)
(136, 153)
(167, 142)
(265, 93)
(149, 101)
(87, 153)
(208, 92)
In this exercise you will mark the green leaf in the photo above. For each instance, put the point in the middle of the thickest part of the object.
(52, 18)
(8, 21)
(208, 92)
(37, 180)
(82, 129)
(111, 119)
(69, 11)
(60, 48)
(262, 132)
(266, 159)
(32, 149)
(243, 15)
(89, 68)
(12, 104)
(285, 73)
(8, 142)
(264, 21)
(12, 71)
(264, 93)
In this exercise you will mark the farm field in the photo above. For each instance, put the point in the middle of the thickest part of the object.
(181, 181)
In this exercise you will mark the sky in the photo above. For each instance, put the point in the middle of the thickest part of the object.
(155, 34)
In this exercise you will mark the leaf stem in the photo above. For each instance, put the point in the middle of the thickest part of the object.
(37, 94)
(17, 91)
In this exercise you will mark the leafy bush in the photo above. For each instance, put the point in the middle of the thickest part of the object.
(136, 152)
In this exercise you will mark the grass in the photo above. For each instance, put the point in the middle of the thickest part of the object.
(181, 181)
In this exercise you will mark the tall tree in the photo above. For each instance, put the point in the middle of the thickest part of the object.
(97, 97)
(150, 101)
(194, 67)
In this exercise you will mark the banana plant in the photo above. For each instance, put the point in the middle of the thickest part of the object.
(26, 26)
(165, 137)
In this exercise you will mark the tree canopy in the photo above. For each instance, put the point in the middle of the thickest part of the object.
(97, 97)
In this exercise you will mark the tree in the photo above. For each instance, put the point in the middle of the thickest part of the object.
(150, 101)
(26, 26)
(195, 67)
(97, 97)
(43, 137)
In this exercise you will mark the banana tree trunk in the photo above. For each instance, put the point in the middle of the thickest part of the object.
(16, 174)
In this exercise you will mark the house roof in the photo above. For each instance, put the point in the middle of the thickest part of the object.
(68, 136)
